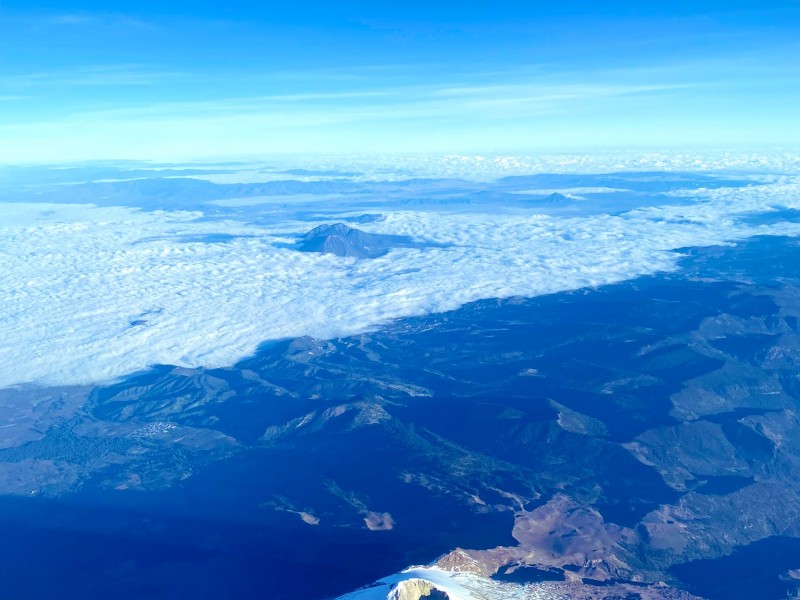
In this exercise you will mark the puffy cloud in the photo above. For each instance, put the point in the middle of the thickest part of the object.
(90, 294)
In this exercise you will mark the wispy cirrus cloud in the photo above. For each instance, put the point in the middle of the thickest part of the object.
(79, 20)
(69, 19)
(401, 102)
(523, 108)
(92, 75)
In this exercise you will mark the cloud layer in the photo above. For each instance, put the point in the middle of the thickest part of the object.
(91, 294)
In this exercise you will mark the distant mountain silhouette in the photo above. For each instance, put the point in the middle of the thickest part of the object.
(556, 199)
(368, 218)
(342, 240)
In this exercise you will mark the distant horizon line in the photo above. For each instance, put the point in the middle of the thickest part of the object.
(533, 152)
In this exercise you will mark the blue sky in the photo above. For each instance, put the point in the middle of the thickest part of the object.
(169, 80)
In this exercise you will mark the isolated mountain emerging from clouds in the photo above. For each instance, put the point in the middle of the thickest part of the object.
(342, 240)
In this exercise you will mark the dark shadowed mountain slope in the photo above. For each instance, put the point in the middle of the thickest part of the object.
(621, 436)
(342, 240)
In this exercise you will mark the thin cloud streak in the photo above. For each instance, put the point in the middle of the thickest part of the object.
(395, 103)
(99, 75)
(525, 108)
